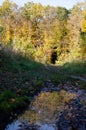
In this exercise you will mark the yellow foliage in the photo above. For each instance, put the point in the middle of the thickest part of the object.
(83, 25)
(84, 14)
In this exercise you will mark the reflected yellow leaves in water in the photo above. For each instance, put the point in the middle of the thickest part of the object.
(46, 106)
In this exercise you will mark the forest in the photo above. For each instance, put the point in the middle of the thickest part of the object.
(48, 34)
(43, 52)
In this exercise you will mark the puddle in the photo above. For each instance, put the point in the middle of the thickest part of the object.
(43, 110)
(47, 127)
(13, 126)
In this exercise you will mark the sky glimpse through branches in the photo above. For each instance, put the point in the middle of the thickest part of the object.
(64, 3)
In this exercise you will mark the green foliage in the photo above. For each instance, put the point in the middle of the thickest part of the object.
(6, 95)
(9, 101)
(62, 13)
(82, 45)
(75, 68)
(1, 29)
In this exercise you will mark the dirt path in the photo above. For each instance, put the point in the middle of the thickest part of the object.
(56, 69)
(78, 77)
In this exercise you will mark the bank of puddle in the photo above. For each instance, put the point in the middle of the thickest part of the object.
(43, 111)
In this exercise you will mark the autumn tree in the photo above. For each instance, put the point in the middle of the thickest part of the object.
(46, 33)
(7, 10)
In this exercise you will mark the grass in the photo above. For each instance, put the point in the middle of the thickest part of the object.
(9, 101)
(25, 76)
(76, 68)
(23, 72)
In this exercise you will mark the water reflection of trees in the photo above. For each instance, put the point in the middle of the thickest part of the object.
(46, 106)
